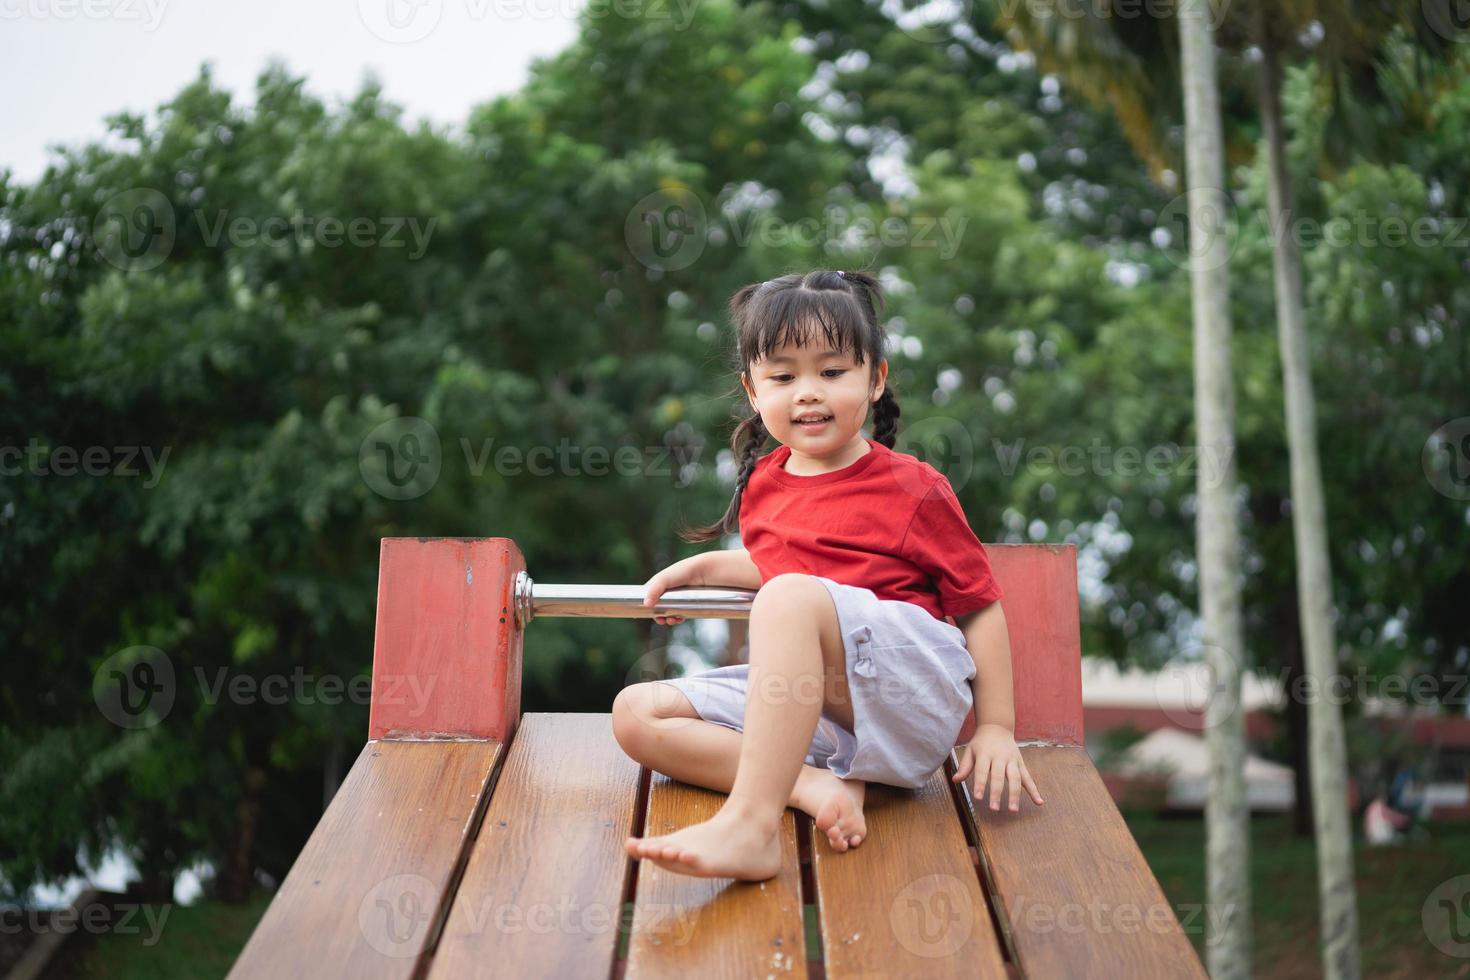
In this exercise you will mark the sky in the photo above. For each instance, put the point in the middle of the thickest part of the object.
(67, 64)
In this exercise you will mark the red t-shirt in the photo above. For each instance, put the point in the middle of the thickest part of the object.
(888, 522)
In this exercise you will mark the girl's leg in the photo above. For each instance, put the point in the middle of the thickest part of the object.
(658, 727)
(798, 667)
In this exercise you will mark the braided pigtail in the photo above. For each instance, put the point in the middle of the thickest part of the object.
(747, 442)
(885, 418)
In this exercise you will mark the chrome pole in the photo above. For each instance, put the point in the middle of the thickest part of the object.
(626, 602)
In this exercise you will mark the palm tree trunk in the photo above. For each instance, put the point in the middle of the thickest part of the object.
(1313, 571)
(1227, 817)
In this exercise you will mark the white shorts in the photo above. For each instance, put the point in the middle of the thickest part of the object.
(909, 675)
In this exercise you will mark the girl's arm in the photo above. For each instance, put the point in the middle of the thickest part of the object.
(992, 751)
(989, 644)
(733, 569)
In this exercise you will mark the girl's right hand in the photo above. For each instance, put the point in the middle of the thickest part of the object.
(677, 575)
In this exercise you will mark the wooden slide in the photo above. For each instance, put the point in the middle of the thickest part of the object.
(469, 840)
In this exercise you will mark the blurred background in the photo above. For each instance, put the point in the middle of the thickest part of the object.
(279, 281)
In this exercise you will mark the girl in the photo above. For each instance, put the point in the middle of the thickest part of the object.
(861, 555)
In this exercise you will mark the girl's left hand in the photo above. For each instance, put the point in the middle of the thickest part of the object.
(994, 757)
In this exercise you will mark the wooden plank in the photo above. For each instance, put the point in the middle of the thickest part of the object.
(713, 928)
(542, 894)
(1075, 894)
(1040, 602)
(907, 901)
(368, 890)
(447, 652)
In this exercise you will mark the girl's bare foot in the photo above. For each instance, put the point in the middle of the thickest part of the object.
(836, 806)
(724, 846)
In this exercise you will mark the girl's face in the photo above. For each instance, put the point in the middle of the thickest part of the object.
(795, 382)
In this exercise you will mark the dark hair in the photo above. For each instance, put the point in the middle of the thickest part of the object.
(790, 309)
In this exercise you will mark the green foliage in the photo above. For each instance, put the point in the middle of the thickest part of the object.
(1030, 310)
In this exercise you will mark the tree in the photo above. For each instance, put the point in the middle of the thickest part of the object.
(1328, 753)
(1227, 815)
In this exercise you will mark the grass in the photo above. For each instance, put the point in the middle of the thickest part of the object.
(1392, 884)
(193, 942)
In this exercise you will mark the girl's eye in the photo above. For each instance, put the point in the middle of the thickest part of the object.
(832, 372)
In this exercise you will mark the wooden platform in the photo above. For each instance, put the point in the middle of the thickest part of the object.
(498, 851)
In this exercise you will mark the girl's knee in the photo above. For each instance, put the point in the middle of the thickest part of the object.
(638, 706)
(627, 714)
(789, 589)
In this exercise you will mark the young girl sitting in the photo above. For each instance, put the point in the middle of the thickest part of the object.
(864, 564)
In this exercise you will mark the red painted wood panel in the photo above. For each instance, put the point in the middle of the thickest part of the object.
(447, 654)
(1042, 618)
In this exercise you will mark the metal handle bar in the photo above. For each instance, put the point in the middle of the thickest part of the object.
(626, 602)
